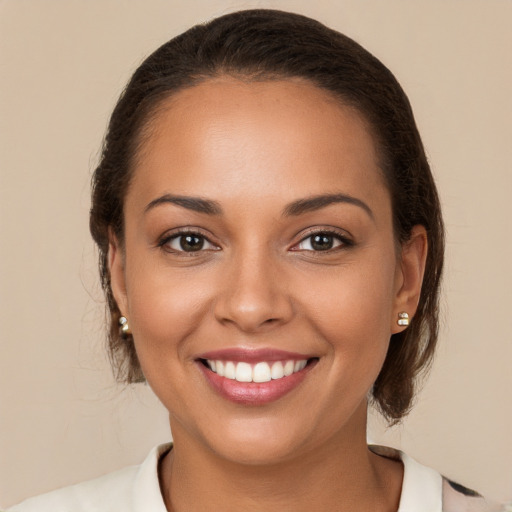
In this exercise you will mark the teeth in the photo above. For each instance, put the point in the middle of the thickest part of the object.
(243, 372)
(277, 371)
(260, 372)
(288, 368)
(230, 370)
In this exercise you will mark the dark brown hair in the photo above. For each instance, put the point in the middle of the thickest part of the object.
(270, 45)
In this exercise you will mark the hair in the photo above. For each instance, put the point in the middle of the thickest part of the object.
(263, 45)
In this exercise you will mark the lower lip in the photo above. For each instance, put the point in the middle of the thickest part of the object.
(254, 393)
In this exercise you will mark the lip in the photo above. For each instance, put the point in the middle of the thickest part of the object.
(254, 393)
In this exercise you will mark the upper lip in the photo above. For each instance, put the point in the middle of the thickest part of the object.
(253, 355)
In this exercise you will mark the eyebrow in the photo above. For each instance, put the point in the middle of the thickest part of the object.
(196, 204)
(308, 204)
(313, 203)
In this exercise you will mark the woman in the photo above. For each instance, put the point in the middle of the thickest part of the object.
(271, 247)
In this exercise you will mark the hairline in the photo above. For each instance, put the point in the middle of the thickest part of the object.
(162, 101)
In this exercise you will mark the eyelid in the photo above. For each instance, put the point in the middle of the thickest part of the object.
(176, 233)
(341, 235)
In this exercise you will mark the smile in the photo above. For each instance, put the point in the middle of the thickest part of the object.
(262, 371)
(255, 377)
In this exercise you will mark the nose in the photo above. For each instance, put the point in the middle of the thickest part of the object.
(254, 295)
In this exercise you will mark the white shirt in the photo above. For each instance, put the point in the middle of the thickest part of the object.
(137, 489)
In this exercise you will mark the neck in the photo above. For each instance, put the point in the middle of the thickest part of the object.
(341, 474)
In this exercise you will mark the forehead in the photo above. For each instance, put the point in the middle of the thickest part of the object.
(225, 134)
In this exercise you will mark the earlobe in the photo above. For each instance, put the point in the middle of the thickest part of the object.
(117, 277)
(412, 268)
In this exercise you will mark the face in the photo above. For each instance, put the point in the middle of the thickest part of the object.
(259, 271)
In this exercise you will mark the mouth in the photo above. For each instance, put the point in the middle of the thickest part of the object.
(262, 371)
(255, 378)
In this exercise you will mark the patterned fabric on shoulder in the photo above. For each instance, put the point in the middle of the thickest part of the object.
(457, 498)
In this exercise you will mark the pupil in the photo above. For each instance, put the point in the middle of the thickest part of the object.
(191, 243)
(322, 242)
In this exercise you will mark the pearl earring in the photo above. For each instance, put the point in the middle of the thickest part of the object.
(403, 319)
(125, 328)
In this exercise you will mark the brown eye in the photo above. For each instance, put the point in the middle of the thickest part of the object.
(322, 241)
(191, 242)
(187, 242)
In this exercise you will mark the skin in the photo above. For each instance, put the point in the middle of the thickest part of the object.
(255, 148)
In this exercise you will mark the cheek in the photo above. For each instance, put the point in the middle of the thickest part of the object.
(351, 309)
(359, 297)
(165, 309)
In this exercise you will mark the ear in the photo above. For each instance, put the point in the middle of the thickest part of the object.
(409, 278)
(117, 276)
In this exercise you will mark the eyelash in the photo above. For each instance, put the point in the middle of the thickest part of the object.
(343, 242)
(181, 235)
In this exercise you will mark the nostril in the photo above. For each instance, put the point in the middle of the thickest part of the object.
(252, 308)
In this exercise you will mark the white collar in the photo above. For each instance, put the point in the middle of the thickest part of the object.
(421, 486)
(146, 487)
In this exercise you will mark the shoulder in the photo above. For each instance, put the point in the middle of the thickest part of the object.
(121, 490)
(425, 490)
(104, 494)
(457, 498)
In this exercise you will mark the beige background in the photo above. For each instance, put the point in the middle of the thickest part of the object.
(62, 65)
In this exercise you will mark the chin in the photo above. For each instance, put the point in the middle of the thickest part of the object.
(263, 441)
(260, 452)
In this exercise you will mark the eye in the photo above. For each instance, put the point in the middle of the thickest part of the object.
(321, 241)
(187, 242)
